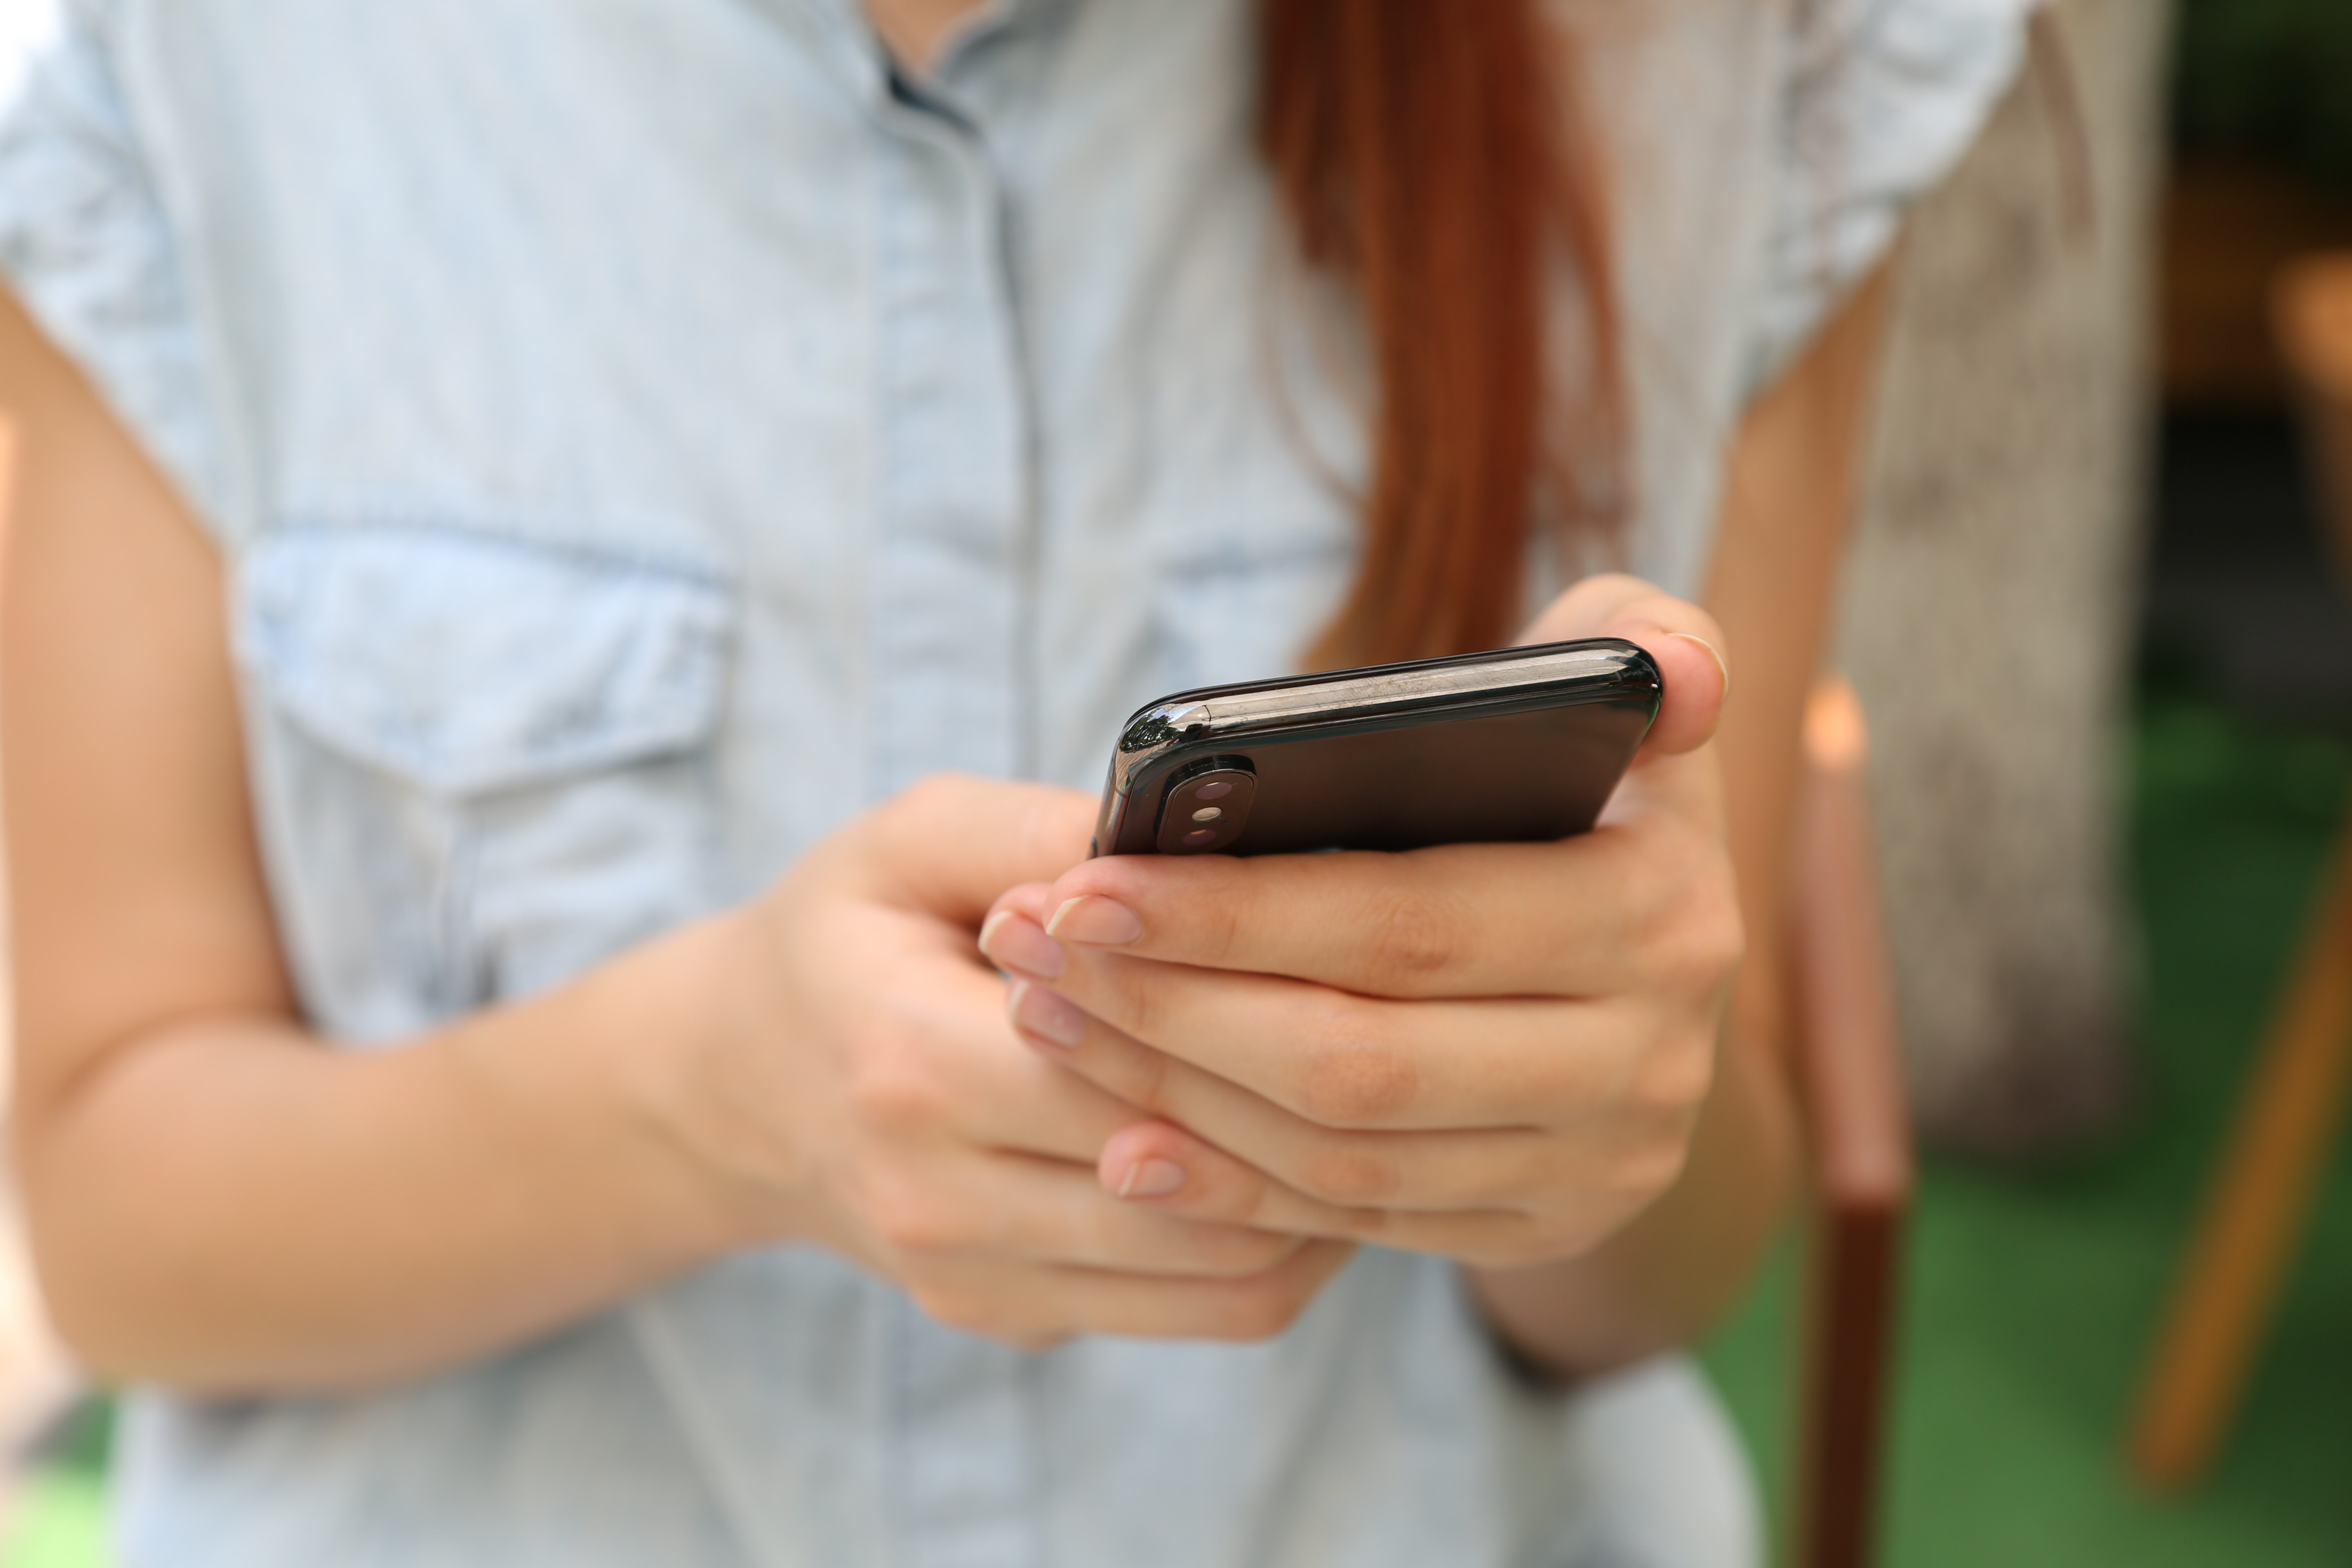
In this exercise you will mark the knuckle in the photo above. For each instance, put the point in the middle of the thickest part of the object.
(1410, 936)
(1350, 1075)
(1145, 1079)
(1695, 931)
(1132, 999)
(1261, 1200)
(1714, 940)
(895, 1094)
(1678, 1075)
(1223, 922)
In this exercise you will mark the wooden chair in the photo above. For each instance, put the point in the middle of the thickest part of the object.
(2294, 1106)
(1850, 1094)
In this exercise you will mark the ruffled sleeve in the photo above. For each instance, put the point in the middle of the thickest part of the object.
(85, 243)
(1883, 98)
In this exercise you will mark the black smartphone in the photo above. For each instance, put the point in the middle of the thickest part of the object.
(1519, 745)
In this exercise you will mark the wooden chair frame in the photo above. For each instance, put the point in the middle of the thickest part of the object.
(1849, 1084)
(2295, 1104)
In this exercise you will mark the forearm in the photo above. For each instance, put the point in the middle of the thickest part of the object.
(224, 1205)
(1670, 1274)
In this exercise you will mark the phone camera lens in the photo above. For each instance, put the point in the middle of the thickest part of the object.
(1190, 824)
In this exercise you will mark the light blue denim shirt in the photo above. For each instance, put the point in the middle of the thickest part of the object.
(643, 435)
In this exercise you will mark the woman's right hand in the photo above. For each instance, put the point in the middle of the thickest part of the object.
(857, 1085)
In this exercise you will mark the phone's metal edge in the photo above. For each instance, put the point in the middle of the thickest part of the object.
(1263, 709)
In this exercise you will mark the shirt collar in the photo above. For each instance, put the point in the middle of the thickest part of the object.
(853, 43)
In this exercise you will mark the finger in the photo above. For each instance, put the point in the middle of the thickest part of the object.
(1685, 641)
(1034, 1305)
(1255, 1308)
(1020, 946)
(1054, 1212)
(1579, 917)
(1333, 1169)
(955, 1066)
(1240, 1165)
(1348, 1061)
(1218, 1186)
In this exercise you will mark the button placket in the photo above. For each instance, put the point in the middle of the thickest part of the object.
(953, 525)
(953, 516)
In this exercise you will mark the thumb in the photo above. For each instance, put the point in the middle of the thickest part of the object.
(950, 844)
(1682, 639)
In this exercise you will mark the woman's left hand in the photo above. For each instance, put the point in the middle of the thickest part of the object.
(1492, 1052)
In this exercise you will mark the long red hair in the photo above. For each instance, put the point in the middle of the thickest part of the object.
(1433, 158)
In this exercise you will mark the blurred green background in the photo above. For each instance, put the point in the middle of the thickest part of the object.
(2032, 1295)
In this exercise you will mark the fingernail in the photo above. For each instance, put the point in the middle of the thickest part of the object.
(1151, 1179)
(1722, 667)
(1098, 921)
(1036, 1011)
(1016, 944)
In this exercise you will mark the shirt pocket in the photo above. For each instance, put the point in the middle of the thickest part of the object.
(484, 761)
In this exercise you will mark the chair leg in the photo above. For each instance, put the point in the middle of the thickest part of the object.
(2285, 1127)
(1849, 1078)
(1849, 1368)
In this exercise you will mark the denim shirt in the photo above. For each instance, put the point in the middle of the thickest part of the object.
(644, 433)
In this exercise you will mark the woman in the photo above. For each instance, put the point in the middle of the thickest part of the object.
(575, 511)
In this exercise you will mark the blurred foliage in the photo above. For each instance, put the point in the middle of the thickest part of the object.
(84, 1439)
(2267, 79)
(59, 1520)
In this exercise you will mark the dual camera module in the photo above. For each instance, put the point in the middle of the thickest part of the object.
(1206, 807)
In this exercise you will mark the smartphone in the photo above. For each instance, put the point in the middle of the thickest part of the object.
(1519, 745)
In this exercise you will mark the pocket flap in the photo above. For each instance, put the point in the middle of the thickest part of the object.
(472, 662)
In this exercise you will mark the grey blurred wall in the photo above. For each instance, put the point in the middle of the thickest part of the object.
(1991, 603)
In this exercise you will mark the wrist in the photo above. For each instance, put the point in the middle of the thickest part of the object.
(706, 1152)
